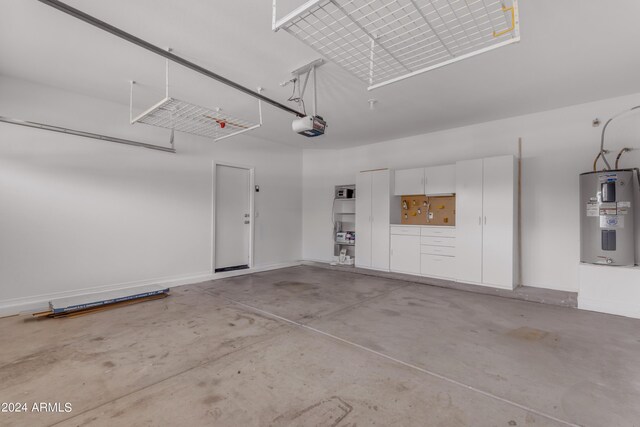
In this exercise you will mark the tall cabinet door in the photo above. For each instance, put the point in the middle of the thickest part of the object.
(499, 219)
(363, 219)
(380, 214)
(469, 220)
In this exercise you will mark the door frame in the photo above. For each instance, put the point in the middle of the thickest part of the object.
(251, 169)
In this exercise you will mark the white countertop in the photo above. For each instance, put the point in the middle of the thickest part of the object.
(421, 225)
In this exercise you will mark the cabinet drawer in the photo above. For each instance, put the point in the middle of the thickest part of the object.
(438, 250)
(437, 266)
(405, 231)
(438, 241)
(438, 232)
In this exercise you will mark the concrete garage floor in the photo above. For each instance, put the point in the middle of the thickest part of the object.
(307, 346)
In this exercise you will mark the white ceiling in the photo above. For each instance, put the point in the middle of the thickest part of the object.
(572, 51)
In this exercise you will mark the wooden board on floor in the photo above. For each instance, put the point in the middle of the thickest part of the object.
(50, 314)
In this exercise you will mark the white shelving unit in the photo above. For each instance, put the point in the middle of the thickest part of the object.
(171, 113)
(384, 41)
(344, 220)
(174, 114)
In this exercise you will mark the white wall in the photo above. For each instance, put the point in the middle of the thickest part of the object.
(78, 214)
(558, 145)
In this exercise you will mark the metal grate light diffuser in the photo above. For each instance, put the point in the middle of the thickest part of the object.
(384, 41)
(182, 116)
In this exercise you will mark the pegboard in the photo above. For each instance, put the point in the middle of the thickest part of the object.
(417, 209)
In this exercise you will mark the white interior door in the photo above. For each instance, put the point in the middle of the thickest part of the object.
(498, 210)
(232, 218)
(469, 220)
(363, 219)
(380, 218)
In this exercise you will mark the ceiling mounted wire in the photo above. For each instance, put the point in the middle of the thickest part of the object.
(384, 41)
(296, 95)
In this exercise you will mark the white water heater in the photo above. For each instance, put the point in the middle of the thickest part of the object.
(607, 217)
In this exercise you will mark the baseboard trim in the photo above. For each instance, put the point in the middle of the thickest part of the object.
(609, 307)
(486, 285)
(15, 306)
(523, 293)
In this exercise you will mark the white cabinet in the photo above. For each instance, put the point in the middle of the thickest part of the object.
(440, 180)
(437, 266)
(373, 218)
(438, 252)
(469, 220)
(363, 220)
(409, 182)
(432, 180)
(405, 253)
(485, 220)
(380, 218)
(426, 251)
(499, 221)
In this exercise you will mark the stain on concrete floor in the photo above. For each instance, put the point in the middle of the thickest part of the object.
(528, 334)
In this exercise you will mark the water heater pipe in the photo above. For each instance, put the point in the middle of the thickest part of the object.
(602, 150)
(624, 150)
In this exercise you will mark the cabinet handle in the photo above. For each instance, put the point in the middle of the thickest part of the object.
(485, 220)
(479, 220)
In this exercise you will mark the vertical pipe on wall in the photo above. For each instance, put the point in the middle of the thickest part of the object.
(519, 283)
(315, 94)
(131, 83)
(167, 75)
